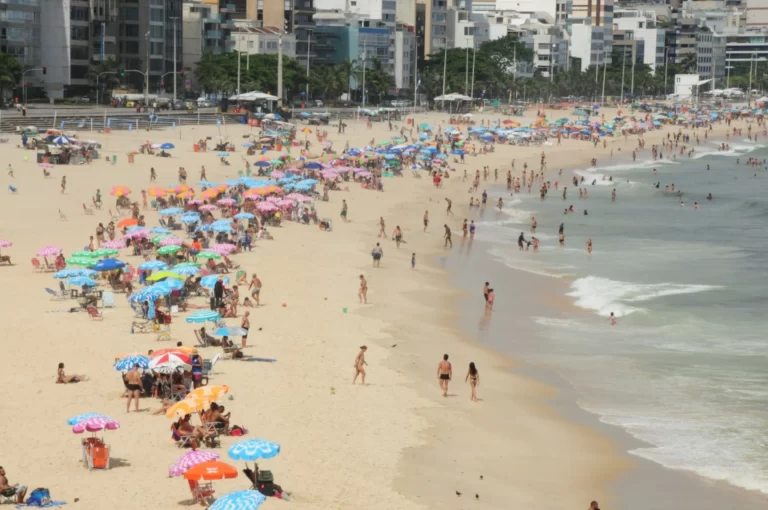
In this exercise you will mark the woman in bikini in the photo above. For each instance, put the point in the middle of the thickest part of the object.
(63, 378)
(473, 376)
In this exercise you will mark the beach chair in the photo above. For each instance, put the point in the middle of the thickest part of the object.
(108, 299)
(230, 264)
(144, 326)
(87, 210)
(36, 265)
(113, 216)
(240, 278)
(182, 440)
(55, 296)
(203, 493)
(94, 314)
(98, 456)
(14, 190)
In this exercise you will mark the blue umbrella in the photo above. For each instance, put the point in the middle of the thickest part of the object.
(82, 280)
(222, 228)
(81, 417)
(313, 165)
(231, 331)
(108, 265)
(186, 270)
(262, 163)
(167, 146)
(458, 152)
(61, 140)
(486, 138)
(307, 182)
(71, 272)
(153, 265)
(354, 152)
(239, 500)
(147, 294)
(207, 184)
(133, 229)
(158, 290)
(232, 182)
(204, 228)
(159, 230)
(189, 219)
(170, 283)
(129, 362)
(253, 449)
(244, 216)
(223, 154)
(204, 316)
(171, 211)
(209, 281)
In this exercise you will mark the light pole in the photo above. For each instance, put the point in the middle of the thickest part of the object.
(146, 81)
(445, 61)
(364, 57)
(309, 43)
(623, 60)
(466, 71)
(238, 67)
(279, 69)
(666, 61)
(632, 87)
(24, 81)
(474, 54)
(97, 82)
(174, 60)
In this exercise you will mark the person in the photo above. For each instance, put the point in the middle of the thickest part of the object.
(197, 370)
(397, 235)
(444, 373)
(520, 241)
(426, 220)
(485, 291)
(217, 416)
(8, 490)
(63, 378)
(377, 253)
(133, 384)
(589, 245)
(363, 292)
(152, 174)
(246, 325)
(344, 210)
(613, 319)
(413, 261)
(63, 184)
(360, 364)
(447, 236)
(382, 231)
(256, 286)
(613, 195)
(594, 506)
(450, 204)
(471, 230)
(489, 301)
(473, 376)
(10, 172)
(218, 292)
(185, 428)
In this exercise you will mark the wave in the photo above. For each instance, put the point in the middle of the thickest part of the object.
(526, 261)
(605, 296)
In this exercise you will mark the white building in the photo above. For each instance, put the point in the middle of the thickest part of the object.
(560, 10)
(56, 49)
(688, 85)
(588, 44)
(405, 56)
(460, 28)
(757, 13)
(262, 40)
(643, 26)
(489, 26)
(548, 40)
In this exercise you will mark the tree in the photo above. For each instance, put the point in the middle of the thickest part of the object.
(11, 72)
(106, 81)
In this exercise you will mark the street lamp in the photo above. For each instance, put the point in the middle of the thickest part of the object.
(175, 20)
(309, 43)
(24, 81)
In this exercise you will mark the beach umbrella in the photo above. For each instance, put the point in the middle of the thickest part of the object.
(226, 202)
(190, 193)
(207, 207)
(84, 254)
(253, 449)
(81, 261)
(167, 250)
(120, 191)
(167, 146)
(81, 281)
(170, 361)
(211, 470)
(207, 184)
(127, 222)
(171, 241)
(95, 424)
(129, 362)
(222, 228)
(61, 140)
(108, 265)
(191, 459)
(170, 285)
(170, 211)
(156, 191)
(200, 316)
(5, 243)
(186, 264)
(114, 244)
(239, 500)
(163, 274)
(72, 272)
(223, 154)
(262, 163)
(190, 217)
(244, 216)
(49, 251)
(159, 230)
(231, 331)
(137, 233)
(209, 281)
(223, 248)
(188, 351)
(82, 417)
(104, 252)
(186, 271)
(313, 165)
(152, 265)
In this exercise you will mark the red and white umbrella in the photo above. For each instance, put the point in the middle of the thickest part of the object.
(170, 362)
(49, 251)
(96, 424)
(171, 241)
(114, 244)
(226, 202)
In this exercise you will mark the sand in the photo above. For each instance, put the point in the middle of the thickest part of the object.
(395, 443)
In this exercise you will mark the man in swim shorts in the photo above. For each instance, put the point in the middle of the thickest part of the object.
(9, 490)
(376, 253)
(255, 288)
(133, 384)
(444, 373)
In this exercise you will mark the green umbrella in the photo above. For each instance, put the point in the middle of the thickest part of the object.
(84, 254)
(105, 252)
(164, 274)
(81, 261)
(208, 255)
(166, 250)
(159, 238)
(275, 162)
(383, 143)
(187, 264)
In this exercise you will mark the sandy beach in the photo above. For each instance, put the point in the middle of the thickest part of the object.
(395, 443)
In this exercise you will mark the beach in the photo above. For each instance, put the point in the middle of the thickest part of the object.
(394, 443)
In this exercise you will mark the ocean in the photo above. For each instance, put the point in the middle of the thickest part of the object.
(685, 369)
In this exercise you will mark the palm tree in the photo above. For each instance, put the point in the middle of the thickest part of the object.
(11, 72)
(108, 74)
(346, 70)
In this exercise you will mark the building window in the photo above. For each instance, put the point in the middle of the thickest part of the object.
(131, 13)
(132, 47)
(156, 48)
(78, 52)
(79, 14)
(156, 65)
(131, 30)
(78, 72)
(155, 32)
(156, 15)
(78, 33)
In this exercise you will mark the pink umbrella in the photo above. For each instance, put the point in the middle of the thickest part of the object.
(96, 424)
(189, 460)
(277, 174)
(273, 199)
(358, 170)
(115, 244)
(364, 174)
(438, 162)
(298, 197)
(195, 201)
(5, 243)
(49, 251)
(286, 203)
(253, 197)
(226, 202)
(294, 170)
(329, 174)
(171, 241)
(46, 165)
(223, 248)
(208, 207)
(136, 234)
(266, 207)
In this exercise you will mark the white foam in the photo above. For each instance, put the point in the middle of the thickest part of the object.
(591, 176)
(605, 296)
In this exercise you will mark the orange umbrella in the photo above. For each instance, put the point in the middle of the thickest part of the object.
(181, 188)
(222, 187)
(209, 193)
(187, 194)
(157, 191)
(182, 349)
(209, 392)
(187, 406)
(252, 192)
(306, 130)
(211, 470)
(128, 222)
(120, 191)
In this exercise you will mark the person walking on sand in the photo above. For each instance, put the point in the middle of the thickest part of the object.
(63, 184)
(363, 292)
(473, 376)
(489, 301)
(397, 235)
(448, 208)
(426, 220)
(256, 286)
(444, 373)
(360, 365)
(344, 210)
(377, 253)
(447, 237)
(413, 261)
(152, 175)
(246, 325)
(134, 387)
(382, 227)
(10, 172)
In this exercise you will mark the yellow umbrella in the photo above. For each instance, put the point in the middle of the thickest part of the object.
(187, 406)
(209, 193)
(209, 392)
(157, 191)
(120, 191)
(187, 194)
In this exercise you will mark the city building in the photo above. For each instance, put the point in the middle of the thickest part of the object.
(431, 30)
(294, 16)
(588, 44)
(643, 28)
(255, 40)
(711, 57)
(756, 13)
(204, 30)
(489, 26)
(405, 56)
(460, 29)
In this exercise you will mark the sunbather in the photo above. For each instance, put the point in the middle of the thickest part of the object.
(186, 428)
(208, 339)
(218, 417)
(63, 378)
(8, 490)
(264, 482)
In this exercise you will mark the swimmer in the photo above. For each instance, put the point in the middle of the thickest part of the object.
(613, 319)
(589, 245)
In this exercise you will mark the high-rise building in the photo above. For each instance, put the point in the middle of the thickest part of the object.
(431, 26)
(294, 16)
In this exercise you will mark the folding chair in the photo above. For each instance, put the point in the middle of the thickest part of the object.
(14, 190)
(56, 296)
(87, 210)
(36, 265)
(108, 299)
(182, 440)
(203, 493)
(94, 314)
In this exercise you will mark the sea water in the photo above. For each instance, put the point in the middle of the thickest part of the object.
(685, 369)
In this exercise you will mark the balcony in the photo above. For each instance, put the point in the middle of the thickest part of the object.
(214, 34)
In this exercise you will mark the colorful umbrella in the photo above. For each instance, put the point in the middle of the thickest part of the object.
(171, 241)
(166, 250)
(209, 392)
(211, 470)
(120, 191)
(81, 261)
(81, 281)
(157, 191)
(170, 211)
(162, 274)
(239, 500)
(209, 281)
(49, 251)
(82, 417)
(129, 362)
(244, 216)
(253, 449)
(127, 222)
(141, 232)
(180, 349)
(207, 207)
(187, 406)
(152, 265)
(226, 202)
(96, 424)
(200, 316)
(191, 459)
(114, 244)
(108, 265)
(171, 361)
(208, 255)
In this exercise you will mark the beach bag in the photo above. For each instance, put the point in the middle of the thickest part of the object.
(39, 497)
(237, 431)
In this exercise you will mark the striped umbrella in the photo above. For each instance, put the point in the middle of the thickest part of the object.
(226, 202)
(165, 250)
(157, 191)
(129, 362)
(208, 255)
(209, 281)
(152, 265)
(49, 251)
(209, 392)
(82, 261)
(81, 417)
(96, 424)
(170, 360)
(180, 349)
(137, 234)
(191, 459)
(223, 248)
(239, 500)
(203, 316)
(120, 191)
(104, 252)
(207, 207)
(171, 241)
(114, 244)
(253, 449)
